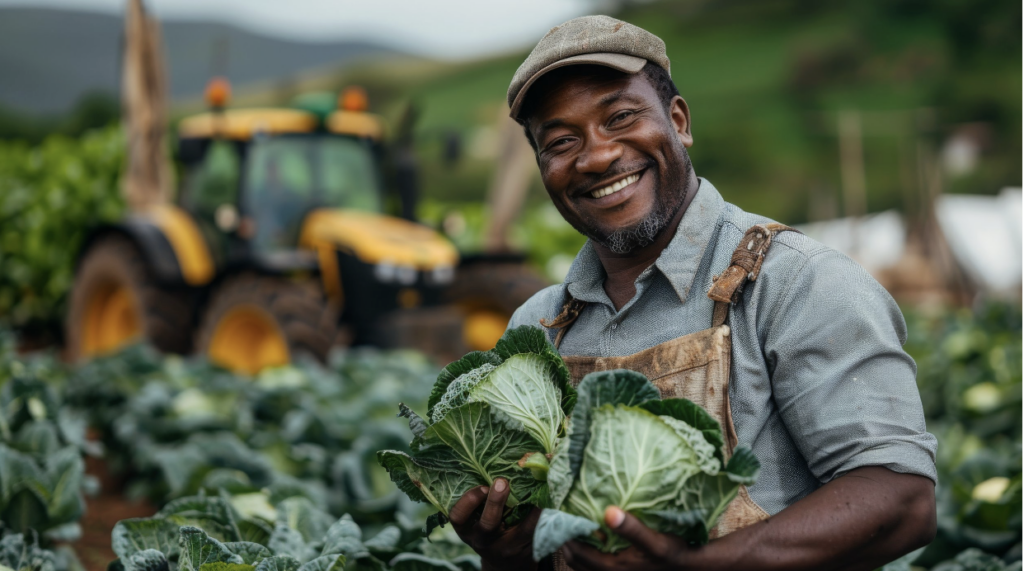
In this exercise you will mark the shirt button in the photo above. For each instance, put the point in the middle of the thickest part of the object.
(615, 325)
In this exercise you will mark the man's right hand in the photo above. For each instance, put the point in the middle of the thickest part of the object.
(476, 517)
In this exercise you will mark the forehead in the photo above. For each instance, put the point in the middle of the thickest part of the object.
(583, 89)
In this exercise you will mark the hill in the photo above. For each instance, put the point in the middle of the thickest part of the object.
(767, 83)
(49, 58)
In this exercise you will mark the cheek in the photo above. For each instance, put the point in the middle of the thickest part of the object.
(555, 175)
(550, 166)
(651, 139)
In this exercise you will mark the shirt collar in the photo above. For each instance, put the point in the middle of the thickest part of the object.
(678, 262)
(681, 259)
(585, 279)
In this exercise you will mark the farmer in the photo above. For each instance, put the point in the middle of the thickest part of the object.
(792, 346)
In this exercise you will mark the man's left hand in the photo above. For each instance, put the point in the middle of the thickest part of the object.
(856, 522)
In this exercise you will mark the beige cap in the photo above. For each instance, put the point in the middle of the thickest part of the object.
(599, 40)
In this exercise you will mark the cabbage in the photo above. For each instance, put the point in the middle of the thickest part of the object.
(660, 460)
(505, 413)
(519, 392)
(491, 414)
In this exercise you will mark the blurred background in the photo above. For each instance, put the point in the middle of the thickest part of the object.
(348, 200)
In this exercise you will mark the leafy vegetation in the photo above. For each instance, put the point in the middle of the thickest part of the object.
(303, 438)
(41, 461)
(304, 435)
(970, 380)
(42, 476)
(93, 110)
(659, 459)
(489, 412)
(505, 413)
(247, 533)
(50, 195)
(178, 427)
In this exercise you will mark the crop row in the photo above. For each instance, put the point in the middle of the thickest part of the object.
(278, 470)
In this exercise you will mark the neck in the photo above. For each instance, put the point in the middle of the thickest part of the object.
(622, 270)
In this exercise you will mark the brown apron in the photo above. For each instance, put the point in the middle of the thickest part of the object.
(694, 366)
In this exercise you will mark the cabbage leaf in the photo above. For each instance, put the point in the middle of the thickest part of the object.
(488, 413)
(660, 460)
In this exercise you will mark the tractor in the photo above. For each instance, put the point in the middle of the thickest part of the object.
(279, 243)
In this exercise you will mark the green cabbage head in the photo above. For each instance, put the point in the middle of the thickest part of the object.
(499, 413)
(660, 460)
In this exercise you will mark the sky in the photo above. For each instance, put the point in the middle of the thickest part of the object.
(451, 29)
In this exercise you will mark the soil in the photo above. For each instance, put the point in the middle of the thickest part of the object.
(101, 513)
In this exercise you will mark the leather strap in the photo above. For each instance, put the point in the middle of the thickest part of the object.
(745, 266)
(563, 321)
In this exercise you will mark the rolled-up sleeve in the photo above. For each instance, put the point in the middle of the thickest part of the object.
(844, 387)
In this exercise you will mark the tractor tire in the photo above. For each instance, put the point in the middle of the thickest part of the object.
(488, 294)
(255, 321)
(115, 300)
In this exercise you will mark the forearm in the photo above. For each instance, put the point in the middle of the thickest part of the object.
(858, 521)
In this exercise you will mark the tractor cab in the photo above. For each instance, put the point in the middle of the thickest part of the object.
(252, 176)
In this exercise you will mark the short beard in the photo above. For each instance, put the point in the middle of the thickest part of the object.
(625, 240)
(645, 232)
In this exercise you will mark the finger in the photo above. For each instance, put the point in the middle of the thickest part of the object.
(581, 557)
(529, 523)
(469, 502)
(631, 528)
(567, 555)
(491, 518)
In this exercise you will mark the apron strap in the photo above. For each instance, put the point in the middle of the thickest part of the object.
(563, 321)
(745, 266)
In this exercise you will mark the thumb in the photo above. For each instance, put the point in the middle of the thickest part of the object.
(628, 526)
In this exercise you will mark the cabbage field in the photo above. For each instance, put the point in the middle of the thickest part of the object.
(217, 472)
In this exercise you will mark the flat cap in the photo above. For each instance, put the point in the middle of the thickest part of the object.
(598, 40)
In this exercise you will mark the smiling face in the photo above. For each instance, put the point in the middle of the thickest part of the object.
(612, 157)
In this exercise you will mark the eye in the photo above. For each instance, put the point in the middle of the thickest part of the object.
(559, 143)
(620, 117)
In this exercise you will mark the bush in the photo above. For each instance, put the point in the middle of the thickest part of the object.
(49, 196)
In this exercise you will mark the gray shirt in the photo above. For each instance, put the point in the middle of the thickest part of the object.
(820, 383)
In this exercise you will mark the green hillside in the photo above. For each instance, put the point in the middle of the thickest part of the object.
(765, 82)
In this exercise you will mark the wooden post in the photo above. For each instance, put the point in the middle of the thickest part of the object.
(512, 173)
(851, 162)
(147, 176)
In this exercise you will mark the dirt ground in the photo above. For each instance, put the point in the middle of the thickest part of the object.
(101, 513)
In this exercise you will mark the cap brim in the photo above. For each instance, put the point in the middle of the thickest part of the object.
(621, 62)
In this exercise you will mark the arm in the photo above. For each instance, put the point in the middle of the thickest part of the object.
(859, 521)
(845, 391)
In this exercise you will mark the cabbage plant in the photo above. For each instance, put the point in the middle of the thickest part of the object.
(499, 413)
(660, 460)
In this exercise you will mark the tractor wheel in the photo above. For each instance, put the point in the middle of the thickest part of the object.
(488, 294)
(255, 321)
(115, 301)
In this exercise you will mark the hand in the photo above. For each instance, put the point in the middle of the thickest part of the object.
(649, 550)
(500, 547)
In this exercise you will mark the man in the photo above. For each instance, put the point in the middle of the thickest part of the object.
(819, 385)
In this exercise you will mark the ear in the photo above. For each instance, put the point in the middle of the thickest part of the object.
(679, 113)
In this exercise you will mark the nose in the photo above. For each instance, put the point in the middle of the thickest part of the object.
(597, 155)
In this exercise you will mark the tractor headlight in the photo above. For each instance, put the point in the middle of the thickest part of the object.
(442, 275)
(385, 272)
(406, 275)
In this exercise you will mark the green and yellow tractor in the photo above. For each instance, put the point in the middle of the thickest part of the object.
(280, 244)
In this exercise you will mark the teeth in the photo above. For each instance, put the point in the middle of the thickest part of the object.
(615, 187)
